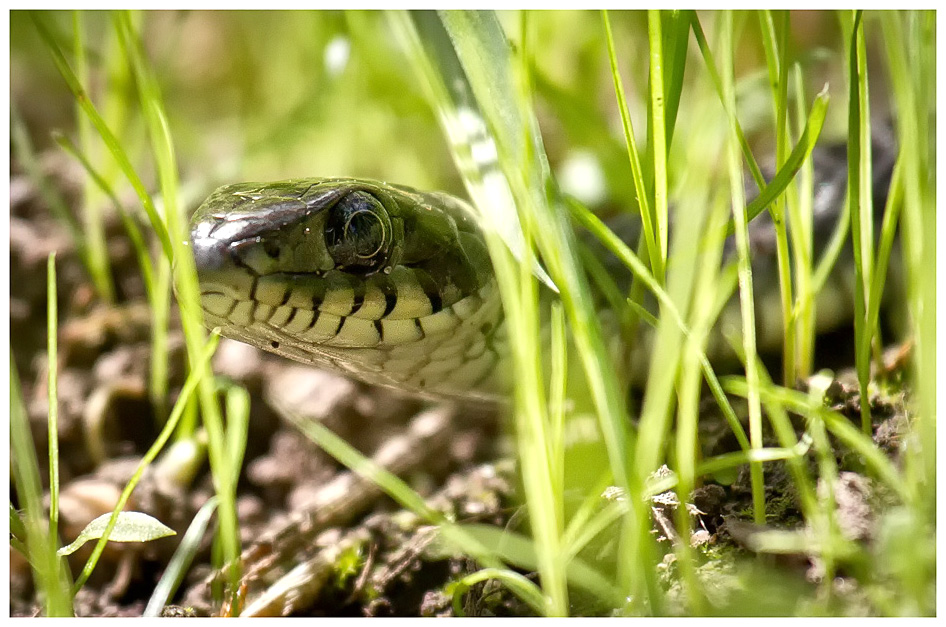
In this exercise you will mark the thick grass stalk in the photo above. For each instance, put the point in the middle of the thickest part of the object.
(534, 421)
(746, 298)
(659, 136)
(858, 189)
(482, 58)
(516, 282)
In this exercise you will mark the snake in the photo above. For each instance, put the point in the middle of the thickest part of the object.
(395, 287)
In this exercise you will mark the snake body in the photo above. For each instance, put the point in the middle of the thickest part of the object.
(395, 287)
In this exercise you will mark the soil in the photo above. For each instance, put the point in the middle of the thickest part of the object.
(318, 540)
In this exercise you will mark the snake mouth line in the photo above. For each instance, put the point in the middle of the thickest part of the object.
(344, 331)
(419, 352)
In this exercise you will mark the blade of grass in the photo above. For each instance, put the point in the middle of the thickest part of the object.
(479, 43)
(676, 37)
(533, 420)
(710, 63)
(746, 297)
(181, 560)
(520, 585)
(858, 194)
(52, 364)
(648, 219)
(93, 220)
(635, 265)
(909, 41)
(888, 232)
(659, 136)
(776, 50)
(801, 152)
(801, 211)
(705, 216)
(49, 571)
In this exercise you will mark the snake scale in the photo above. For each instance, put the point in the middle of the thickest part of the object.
(394, 286)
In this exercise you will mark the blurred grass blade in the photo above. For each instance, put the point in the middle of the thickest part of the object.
(520, 551)
(93, 218)
(484, 53)
(474, 148)
(181, 560)
(520, 585)
(128, 220)
(648, 218)
(108, 137)
(802, 150)
(49, 571)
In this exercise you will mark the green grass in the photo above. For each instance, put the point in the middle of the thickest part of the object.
(158, 130)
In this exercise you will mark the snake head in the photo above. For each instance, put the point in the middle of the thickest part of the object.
(356, 275)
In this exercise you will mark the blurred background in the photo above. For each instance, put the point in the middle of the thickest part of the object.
(270, 95)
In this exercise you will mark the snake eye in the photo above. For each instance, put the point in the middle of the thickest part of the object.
(358, 233)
